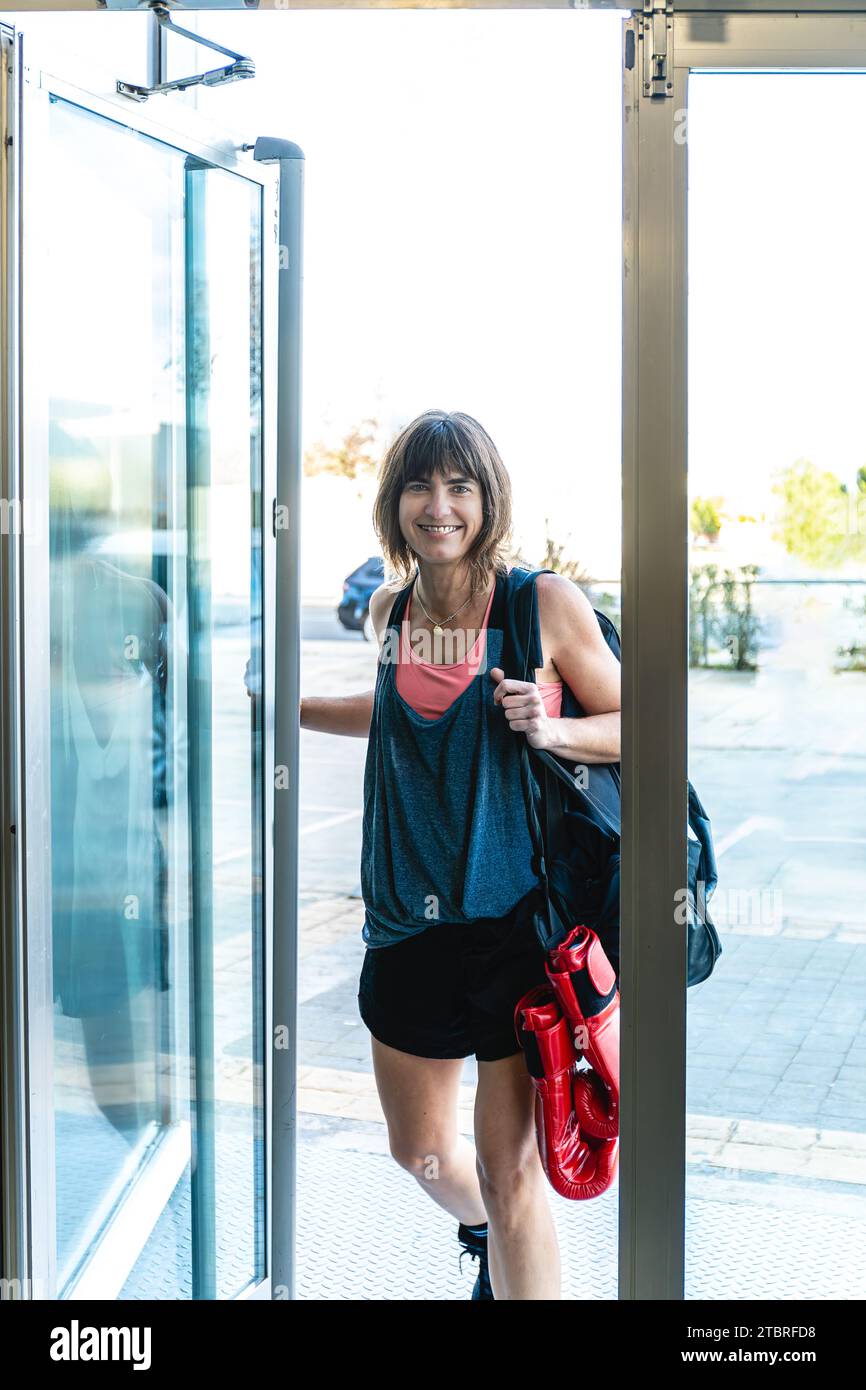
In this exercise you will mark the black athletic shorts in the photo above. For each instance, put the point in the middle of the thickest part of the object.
(451, 989)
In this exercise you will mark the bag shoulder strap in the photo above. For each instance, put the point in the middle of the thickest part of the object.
(522, 655)
(521, 643)
(398, 607)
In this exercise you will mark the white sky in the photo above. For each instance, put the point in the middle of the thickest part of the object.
(777, 277)
(462, 234)
(463, 244)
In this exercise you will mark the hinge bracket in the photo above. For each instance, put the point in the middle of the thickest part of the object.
(656, 33)
(231, 72)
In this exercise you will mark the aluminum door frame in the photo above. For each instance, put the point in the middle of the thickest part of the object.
(39, 70)
(215, 7)
(655, 606)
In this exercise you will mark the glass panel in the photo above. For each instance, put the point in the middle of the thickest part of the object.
(224, 491)
(777, 739)
(153, 382)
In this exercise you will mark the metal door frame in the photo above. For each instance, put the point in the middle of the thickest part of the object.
(32, 71)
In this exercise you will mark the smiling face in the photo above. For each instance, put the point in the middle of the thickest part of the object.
(442, 470)
(441, 515)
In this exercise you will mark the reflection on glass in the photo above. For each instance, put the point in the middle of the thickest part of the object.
(777, 738)
(153, 386)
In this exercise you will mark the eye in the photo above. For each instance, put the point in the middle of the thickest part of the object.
(462, 486)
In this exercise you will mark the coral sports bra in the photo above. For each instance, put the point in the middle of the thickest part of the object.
(430, 688)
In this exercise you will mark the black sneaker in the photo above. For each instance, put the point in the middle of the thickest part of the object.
(474, 1245)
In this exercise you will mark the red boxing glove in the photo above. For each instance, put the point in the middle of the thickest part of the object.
(577, 1164)
(584, 983)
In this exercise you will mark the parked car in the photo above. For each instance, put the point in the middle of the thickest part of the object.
(354, 609)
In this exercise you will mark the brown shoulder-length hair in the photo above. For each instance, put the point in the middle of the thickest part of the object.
(437, 442)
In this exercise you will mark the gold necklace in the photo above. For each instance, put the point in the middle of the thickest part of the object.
(438, 629)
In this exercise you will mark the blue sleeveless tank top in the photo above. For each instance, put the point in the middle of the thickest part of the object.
(445, 833)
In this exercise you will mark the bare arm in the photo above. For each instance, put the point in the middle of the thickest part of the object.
(342, 714)
(349, 714)
(587, 665)
(338, 714)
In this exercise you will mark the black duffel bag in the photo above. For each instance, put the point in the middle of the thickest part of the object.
(575, 821)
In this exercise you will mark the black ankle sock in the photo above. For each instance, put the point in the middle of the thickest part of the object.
(477, 1230)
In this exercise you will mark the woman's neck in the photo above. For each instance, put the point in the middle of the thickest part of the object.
(443, 591)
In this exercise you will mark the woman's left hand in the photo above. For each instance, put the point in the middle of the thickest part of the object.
(524, 708)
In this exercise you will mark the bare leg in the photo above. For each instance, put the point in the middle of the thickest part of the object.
(419, 1098)
(522, 1248)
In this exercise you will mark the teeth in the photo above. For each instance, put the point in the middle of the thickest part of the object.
(439, 529)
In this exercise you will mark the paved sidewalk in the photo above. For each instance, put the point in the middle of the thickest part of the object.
(367, 1231)
(763, 1167)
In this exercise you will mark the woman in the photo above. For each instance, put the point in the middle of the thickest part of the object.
(446, 871)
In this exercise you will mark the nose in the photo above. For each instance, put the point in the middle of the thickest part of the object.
(438, 505)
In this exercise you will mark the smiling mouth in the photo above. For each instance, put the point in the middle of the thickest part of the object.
(438, 530)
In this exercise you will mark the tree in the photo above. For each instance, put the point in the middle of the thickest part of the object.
(705, 518)
(351, 458)
(818, 520)
(572, 569)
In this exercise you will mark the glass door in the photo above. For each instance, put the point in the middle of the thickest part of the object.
(144, 468)
(776, 1056)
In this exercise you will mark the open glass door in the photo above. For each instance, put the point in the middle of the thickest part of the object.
(147, 356)
(777, 739)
